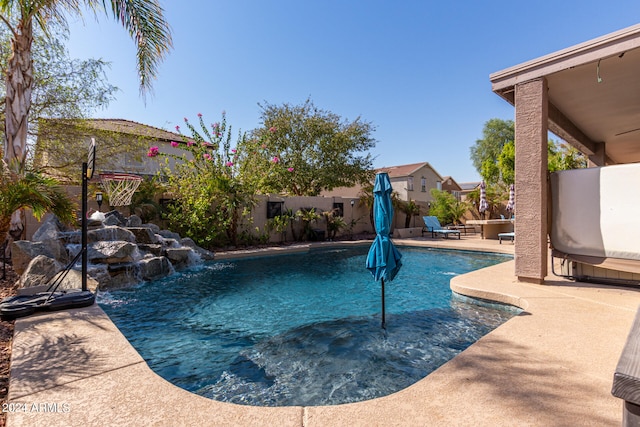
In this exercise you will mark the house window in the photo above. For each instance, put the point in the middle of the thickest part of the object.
(410, 183)
(338, 208)
(423, 184)
(274, 209)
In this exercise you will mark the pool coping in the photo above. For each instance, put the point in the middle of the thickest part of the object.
(551, 365)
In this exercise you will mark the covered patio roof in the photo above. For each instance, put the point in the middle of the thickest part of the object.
(593, 94)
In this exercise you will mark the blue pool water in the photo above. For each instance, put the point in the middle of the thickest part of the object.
(304, 329)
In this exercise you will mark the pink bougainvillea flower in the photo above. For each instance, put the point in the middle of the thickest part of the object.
(186, 120)
(215, 125)
(177, 128)
(275, 159)
(190, 143)
(229, 164)
(207, 156)
(153, 151)
(272, 129)
(290, 169)
(234, 151)
(174, 144)
(199, 114)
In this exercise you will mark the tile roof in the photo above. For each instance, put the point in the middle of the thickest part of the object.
(132, 128)
(405, 170)
(401, 170)
(468, 185)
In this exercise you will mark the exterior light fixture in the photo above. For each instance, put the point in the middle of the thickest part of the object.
(99, 200)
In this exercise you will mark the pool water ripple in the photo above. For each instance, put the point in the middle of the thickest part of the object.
(304, 329)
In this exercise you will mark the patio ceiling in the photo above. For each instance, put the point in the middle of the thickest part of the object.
(594, 93)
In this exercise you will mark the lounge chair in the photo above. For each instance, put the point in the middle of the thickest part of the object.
(507, 236)
(432, 224)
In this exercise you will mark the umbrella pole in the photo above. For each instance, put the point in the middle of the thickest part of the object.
(384, 326)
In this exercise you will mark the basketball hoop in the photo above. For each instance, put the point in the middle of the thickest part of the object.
(120, 187)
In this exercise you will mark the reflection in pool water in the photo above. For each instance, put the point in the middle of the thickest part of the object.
(304, 329)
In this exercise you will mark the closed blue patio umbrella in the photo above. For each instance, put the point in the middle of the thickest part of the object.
(383, 259)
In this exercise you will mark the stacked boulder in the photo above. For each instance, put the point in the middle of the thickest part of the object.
(120, 252)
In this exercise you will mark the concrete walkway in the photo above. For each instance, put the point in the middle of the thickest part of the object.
(551, 366)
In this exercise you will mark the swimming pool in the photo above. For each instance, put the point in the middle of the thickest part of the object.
(304, 329)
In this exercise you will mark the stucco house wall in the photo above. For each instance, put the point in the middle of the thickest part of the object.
(121, 146)
(414, 181)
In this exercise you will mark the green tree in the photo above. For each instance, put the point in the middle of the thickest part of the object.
(62, 87)
(563, 156)
(209, 199)
(34, 191)
(365, 198)
(485, 152)
(410, 209)
(143, 19)
(302, 150)
(494, 155)
(143, 201)
(446, 207)
(507, 163)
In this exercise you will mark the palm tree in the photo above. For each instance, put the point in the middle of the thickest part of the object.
(366, 199)
(410, 209)
(143, 19)
(31, 190)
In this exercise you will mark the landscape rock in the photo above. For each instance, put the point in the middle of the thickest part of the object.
(179, 257)
(49, 230)
(109, 234)
(134, 221)
(143, 235)
(73, 280)
(118, 256)
(169, 235)
(153, 249)
(122, 275)
(112, 220)
(112, 252)
(39, 272)
(155, 267)
(122, 221)
(204, 254)
(154, 228)
(23, 251)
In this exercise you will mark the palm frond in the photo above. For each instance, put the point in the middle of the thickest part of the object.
(144, 19)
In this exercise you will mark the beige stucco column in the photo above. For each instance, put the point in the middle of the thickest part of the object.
(531, 180)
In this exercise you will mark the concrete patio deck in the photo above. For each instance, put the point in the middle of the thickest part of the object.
(551, 366)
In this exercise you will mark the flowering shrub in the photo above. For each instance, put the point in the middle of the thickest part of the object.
(153, 151)
(210, 200)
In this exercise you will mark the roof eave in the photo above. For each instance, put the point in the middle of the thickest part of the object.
(616, 43)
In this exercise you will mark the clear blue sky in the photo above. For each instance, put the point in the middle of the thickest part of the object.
(418, 70)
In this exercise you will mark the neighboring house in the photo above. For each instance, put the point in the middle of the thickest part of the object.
(414, 181)
(122, 146)
(466, 188)
(452, 187)
(411, 182)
